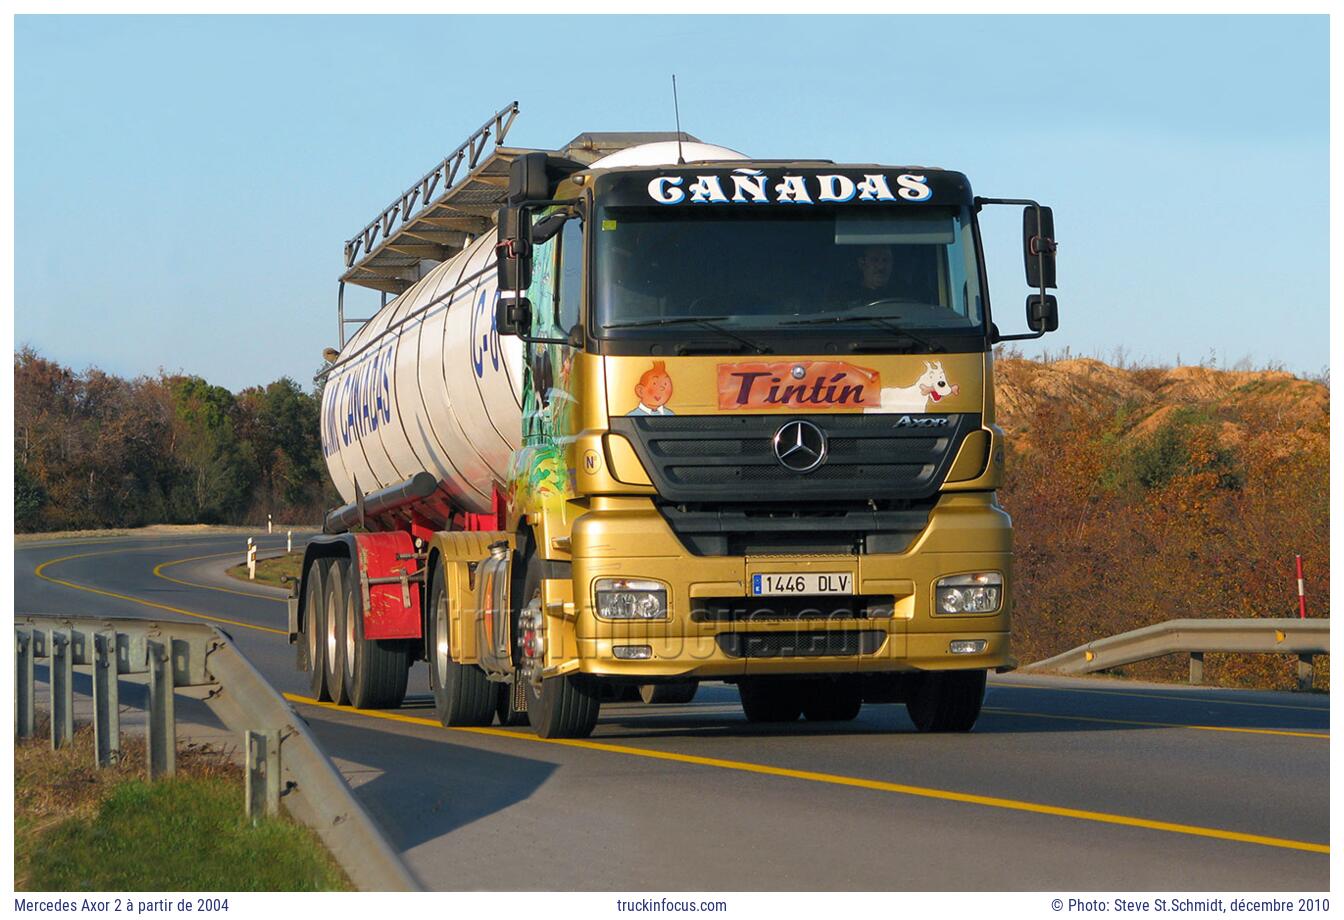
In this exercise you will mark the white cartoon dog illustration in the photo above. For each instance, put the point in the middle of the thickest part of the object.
(932, 386)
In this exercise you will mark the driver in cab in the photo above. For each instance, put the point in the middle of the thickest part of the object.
(876, 279)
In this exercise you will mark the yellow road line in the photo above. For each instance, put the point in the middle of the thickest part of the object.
(158, 572)
(40, 573)
(852, 781)
(1201, 728)
(1158, 696)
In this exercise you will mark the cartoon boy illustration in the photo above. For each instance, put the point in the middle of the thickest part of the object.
(654, 390)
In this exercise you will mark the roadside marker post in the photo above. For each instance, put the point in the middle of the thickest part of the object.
(1301, 592)
(251, 560)
(289, 541)
(268, 523)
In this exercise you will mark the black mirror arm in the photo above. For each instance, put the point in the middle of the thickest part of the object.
(1018, 337)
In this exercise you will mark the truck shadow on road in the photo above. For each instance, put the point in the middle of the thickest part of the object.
(420, 788)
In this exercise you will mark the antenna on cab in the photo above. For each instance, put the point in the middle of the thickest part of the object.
(681, 160)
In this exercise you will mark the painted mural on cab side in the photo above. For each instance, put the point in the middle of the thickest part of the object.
(539, 474)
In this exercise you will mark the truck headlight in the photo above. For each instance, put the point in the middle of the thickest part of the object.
(980, 592)
(631, 599)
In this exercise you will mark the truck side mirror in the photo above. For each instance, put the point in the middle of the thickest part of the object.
(1038, 246)
(1042, 313)
(528, 180)
(513, 251)
(513, 316)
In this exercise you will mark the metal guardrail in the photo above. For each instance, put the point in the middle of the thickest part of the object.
(1303, 638)
(283, 757)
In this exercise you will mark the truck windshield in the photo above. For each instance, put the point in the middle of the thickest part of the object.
(784, 270)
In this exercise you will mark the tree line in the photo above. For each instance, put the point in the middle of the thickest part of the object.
(93, 450)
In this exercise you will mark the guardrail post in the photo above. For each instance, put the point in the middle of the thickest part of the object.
(162, 736)
(106, 711)
(1305, 672)
(62, 689)
(1196, 667)
(263, 773)
(23, 683)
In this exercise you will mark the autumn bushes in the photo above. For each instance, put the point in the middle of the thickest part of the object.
(1132, 511)
(92, 450)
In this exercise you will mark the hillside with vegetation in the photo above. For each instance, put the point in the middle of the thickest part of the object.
(1143, 494)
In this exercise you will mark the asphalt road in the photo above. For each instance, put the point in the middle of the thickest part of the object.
(1064, 785)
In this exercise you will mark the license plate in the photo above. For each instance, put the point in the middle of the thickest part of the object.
(802, 583)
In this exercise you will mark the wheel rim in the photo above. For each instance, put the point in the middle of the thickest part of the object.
(350, 640)
(334, 600)
(314, 608)
(441, 657)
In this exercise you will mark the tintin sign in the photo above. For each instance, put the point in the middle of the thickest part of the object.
(794, 385)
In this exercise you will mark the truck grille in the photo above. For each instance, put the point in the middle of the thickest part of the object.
(770, 609)
(703, 458)
(765, 528)
(800, 644)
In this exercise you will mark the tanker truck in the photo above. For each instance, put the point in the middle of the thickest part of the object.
(642, 411)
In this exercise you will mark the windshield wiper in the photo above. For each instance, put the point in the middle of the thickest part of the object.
(707, 321)
(884, 322)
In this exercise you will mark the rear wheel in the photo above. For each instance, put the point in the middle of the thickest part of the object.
(333, 630)
(832, 700)
(947, 701)
(670, 694)
(375, 669)
(314, 629)
(564, 706)
(462, 693)
(771, 699)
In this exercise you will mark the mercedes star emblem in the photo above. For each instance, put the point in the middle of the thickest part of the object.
(800, 446)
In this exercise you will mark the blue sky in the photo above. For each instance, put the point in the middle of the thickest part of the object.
(184, 185)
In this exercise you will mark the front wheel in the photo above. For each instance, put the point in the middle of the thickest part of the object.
(463, 695)
(561, 707)
(947, 701)
(669, 694)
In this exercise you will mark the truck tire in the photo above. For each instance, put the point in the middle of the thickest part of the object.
(333, 630)
(463, 695)
(314, 629)
(566, 706)
(669, 694)
(947, 701)
(832, 700)
(771, 699)
(375, 669)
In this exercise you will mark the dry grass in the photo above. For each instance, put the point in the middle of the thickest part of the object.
(272, 571)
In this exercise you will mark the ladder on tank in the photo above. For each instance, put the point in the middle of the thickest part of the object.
(440, 215)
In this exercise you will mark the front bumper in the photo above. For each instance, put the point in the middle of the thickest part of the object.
(627, 537)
